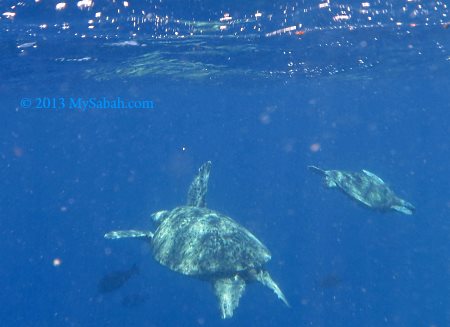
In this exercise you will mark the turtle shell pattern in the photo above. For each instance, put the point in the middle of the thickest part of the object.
(200, 242)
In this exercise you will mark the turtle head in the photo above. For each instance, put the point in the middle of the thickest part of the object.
(159, 216)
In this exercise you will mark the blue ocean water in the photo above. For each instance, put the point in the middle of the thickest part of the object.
(262, 89)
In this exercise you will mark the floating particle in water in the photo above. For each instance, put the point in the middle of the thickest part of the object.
(18, 151)
(315, 147)
(57, 262)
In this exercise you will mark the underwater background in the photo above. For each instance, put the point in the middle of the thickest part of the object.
(262, 89)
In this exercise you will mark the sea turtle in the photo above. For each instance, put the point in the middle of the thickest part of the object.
(196, 241)
(367, 188)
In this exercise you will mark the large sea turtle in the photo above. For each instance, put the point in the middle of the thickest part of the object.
(208, 245)
(367, 188)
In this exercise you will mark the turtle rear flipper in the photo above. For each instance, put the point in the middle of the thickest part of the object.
(228, 292)
(199, 187)
(264, 278)
(404, 207)
(128, 234)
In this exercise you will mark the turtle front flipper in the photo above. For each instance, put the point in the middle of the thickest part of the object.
(199, 187)
(317, 170)
(264, 278)
(128, 233)
(228, 292)
(373, 176)
(329, 180)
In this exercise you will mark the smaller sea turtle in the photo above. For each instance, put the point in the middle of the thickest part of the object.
(367, 188)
